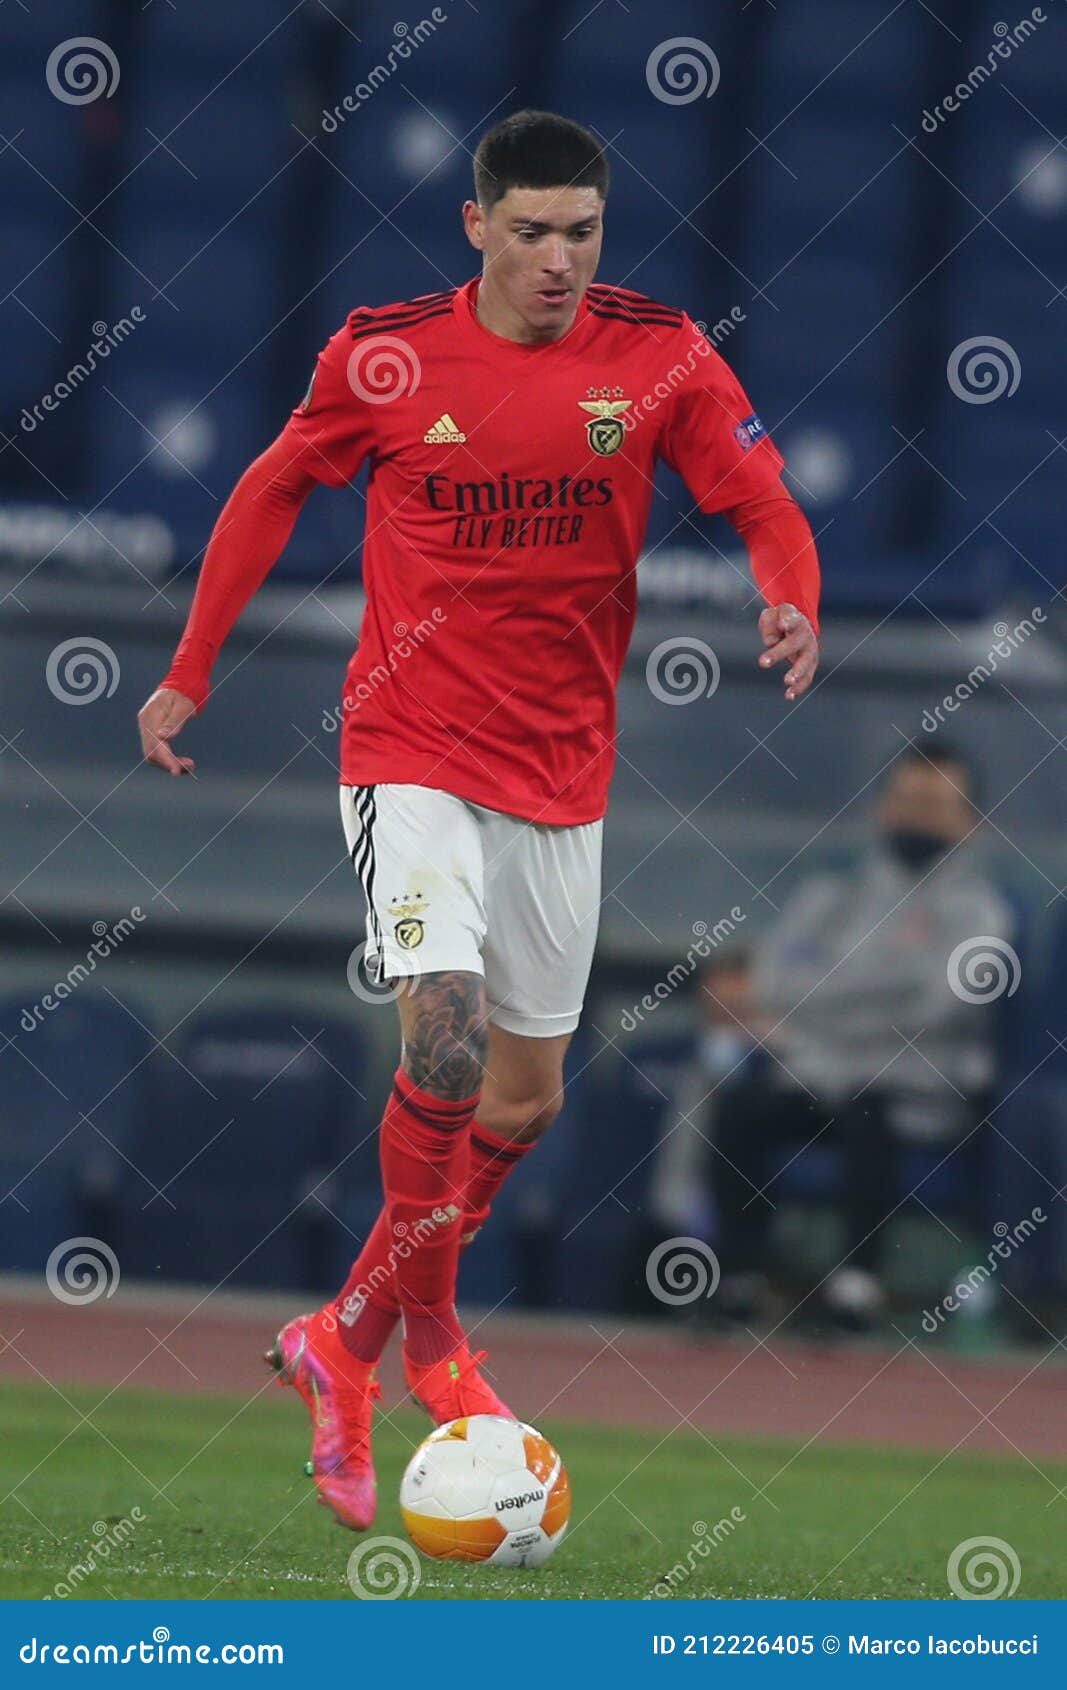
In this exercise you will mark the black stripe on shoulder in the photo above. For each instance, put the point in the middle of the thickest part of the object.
(646, 319)
(386, 325)
(611, 287)
(626, 299)
(369, 316)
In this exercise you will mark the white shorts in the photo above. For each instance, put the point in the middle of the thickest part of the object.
(453, 886)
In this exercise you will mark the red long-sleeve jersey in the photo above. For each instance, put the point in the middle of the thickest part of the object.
(509, 492)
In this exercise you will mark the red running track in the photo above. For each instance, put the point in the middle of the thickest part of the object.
(185, 1340)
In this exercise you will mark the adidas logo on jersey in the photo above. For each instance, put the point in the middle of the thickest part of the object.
(444, 432)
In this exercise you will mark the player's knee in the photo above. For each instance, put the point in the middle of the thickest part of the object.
(522, 1119)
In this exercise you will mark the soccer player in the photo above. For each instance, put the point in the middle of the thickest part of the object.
(512, 428)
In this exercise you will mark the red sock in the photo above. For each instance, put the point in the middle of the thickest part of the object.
(367, 1306)
(425, 1156)
(492, 1160)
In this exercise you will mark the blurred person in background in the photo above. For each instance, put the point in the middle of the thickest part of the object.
(873, 1048)
(717, 1053)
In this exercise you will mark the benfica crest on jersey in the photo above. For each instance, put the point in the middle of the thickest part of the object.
(605, 431)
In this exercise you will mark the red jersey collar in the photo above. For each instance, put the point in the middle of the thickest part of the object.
(464, 310)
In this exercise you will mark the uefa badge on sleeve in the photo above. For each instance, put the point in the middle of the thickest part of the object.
(748, 432)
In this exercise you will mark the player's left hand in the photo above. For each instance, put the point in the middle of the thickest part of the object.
(789, 638)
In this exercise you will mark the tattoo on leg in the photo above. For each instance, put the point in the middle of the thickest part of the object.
(446, 1034)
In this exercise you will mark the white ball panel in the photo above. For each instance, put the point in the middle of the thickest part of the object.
(528, 1548)
(518, 1500)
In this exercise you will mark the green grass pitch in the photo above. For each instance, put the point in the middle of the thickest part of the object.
(833, 1521)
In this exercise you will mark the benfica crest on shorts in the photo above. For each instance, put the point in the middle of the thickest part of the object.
(409, 930)
(605, 431)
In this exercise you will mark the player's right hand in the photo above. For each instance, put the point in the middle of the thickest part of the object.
(160, 721)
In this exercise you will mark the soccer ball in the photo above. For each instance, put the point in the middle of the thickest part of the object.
(486, 1489)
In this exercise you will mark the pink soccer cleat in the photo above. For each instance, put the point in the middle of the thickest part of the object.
(340, 1392)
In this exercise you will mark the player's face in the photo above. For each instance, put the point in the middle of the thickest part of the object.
(541, 247)
(930, 798)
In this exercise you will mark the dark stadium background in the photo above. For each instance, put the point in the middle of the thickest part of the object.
(195, 1102)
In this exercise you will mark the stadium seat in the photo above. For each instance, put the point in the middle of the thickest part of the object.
(76, 1092)
(829, 191)
(35, 303)
(1000, 455)
(260, 33)
(1028, 1170)
(859, 59)
(605, 1217)
(257, 1116)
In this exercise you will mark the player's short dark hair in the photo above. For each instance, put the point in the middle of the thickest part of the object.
(537, 149)
(942, 753)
